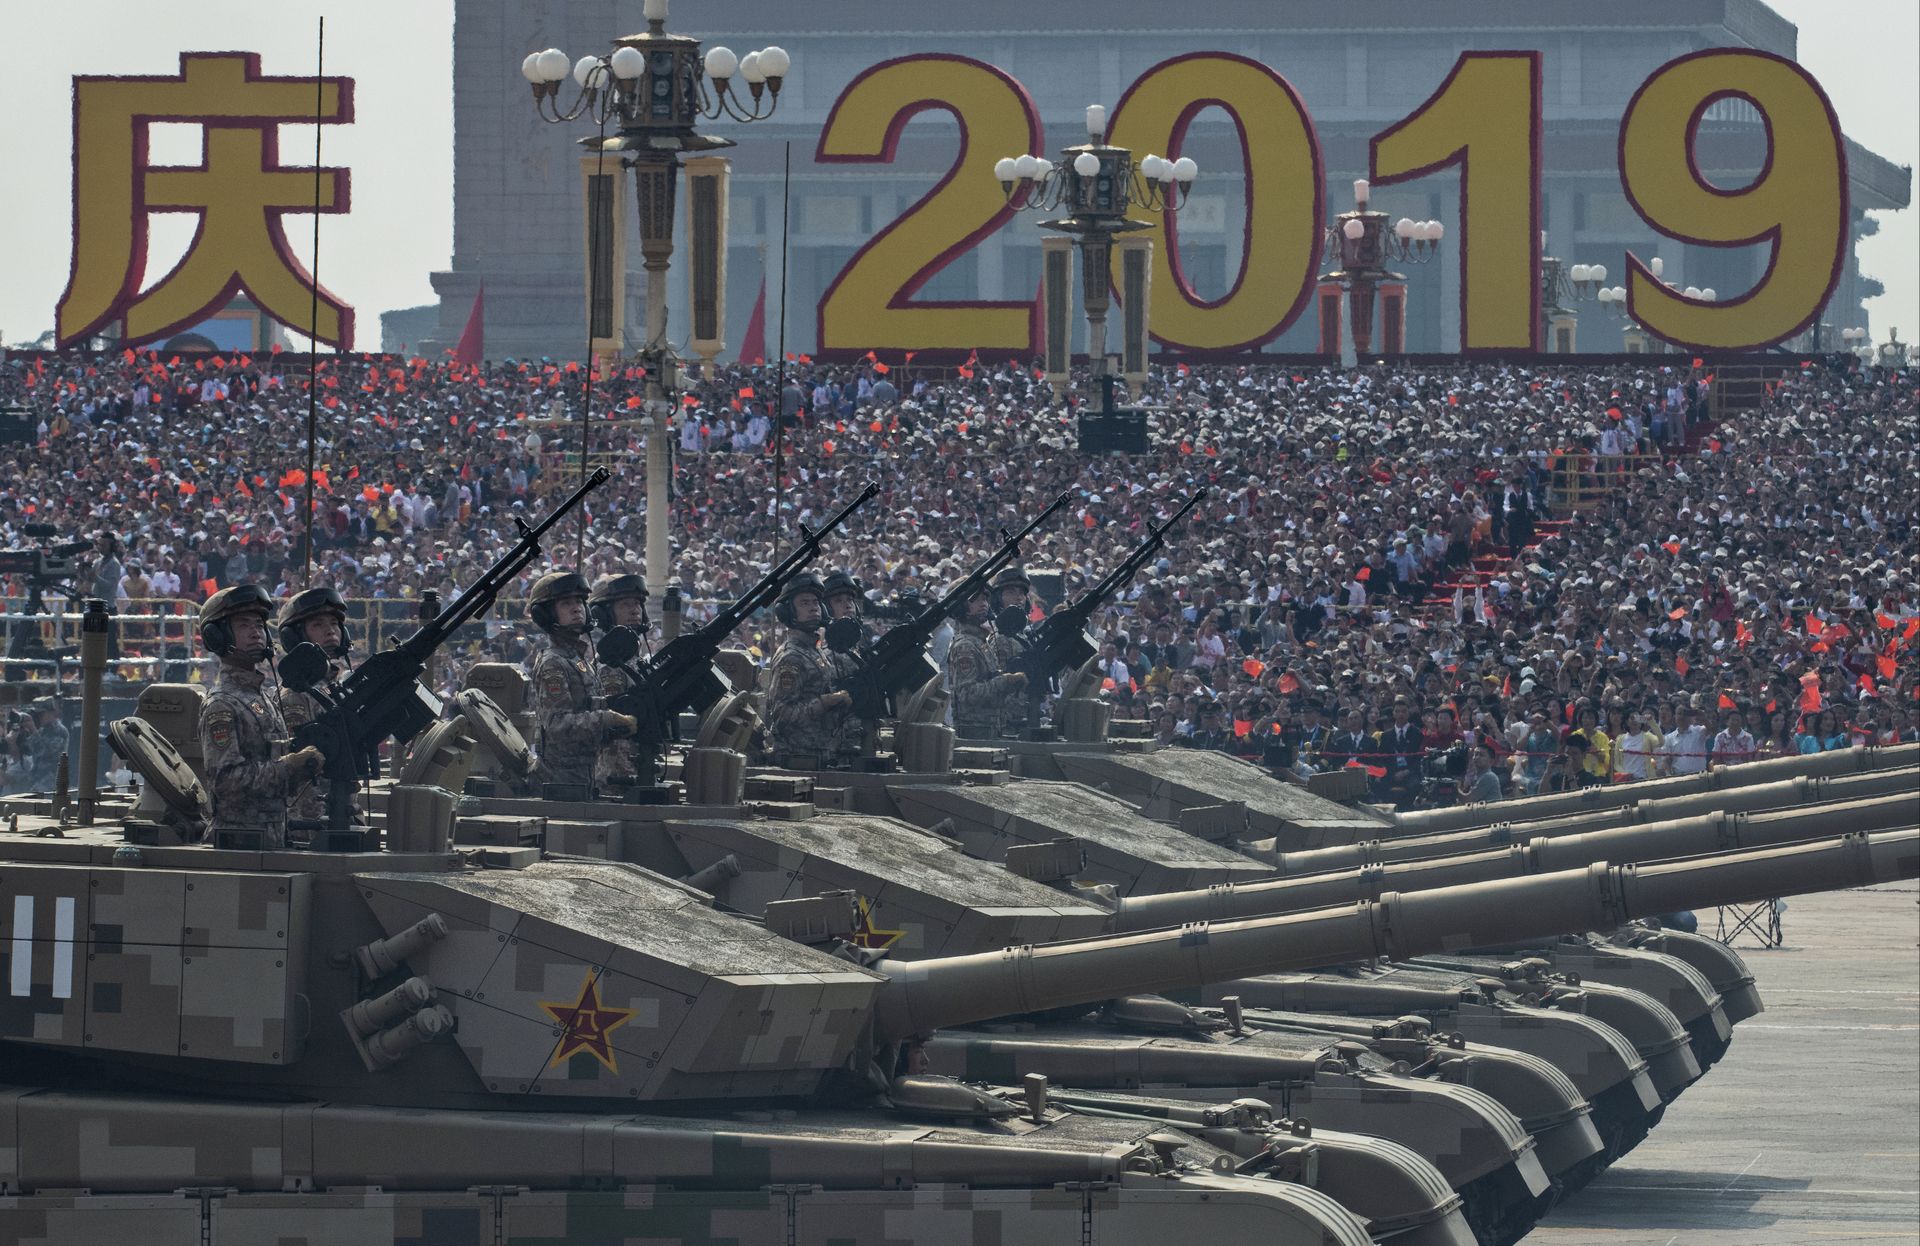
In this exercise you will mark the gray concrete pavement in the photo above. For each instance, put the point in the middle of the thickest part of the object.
(1808, 1132)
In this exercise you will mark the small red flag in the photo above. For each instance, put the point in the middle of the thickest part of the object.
(1288, 684)
(1815, 626)
(1727, 702)
(1377, 772)
(1681, 666)
(1363, 574)
(1887, 666)
(1242, 728)
(1885, 623)
(1678, 612)
(1253, 667)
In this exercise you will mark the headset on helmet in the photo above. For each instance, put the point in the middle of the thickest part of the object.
(306, 605)
(609, 589)
(805, 582)
(217, 613)
(550, 588)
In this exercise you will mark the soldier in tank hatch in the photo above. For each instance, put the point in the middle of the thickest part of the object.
(570, 717)
(242, 733)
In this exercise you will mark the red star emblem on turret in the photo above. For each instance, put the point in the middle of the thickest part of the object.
(866, 934)
(585, 1025)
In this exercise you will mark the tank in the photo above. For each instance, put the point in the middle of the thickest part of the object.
(464, 1028)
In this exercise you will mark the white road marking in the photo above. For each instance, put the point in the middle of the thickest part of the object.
(22, 959)
(63, 948)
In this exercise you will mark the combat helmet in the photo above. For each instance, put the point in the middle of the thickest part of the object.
(308, 604)
(554, 586)
(805, 582)
(609, 589)
(218, 612)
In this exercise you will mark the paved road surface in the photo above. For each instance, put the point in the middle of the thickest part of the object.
(1808, 1132)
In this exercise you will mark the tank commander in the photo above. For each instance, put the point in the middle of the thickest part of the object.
(806, 715)
(242, 734)
(315, 616)
(982, 690)
(617, 601)
(570, 716)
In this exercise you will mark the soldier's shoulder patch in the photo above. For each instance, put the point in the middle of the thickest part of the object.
(217, 723)
(786, 678)
(551, 681)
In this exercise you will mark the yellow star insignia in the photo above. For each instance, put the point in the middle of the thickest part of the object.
(864, 932)
(585, 1025)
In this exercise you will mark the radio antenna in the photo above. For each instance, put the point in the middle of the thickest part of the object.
(313, 305)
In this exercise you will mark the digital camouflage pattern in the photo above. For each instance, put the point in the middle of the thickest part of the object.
(297, 709)
(45, 747)
(615, 763)
(797, 726)
(570, 720)
(1005, 652)
(983, 694)
(243, 738)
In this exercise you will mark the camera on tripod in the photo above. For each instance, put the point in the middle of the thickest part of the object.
(49, 564)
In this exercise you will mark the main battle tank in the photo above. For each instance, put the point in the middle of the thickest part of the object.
(456, 1027)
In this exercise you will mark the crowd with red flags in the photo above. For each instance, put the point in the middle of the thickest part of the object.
(1376, 543)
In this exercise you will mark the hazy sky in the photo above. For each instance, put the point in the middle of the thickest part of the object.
(400, 147)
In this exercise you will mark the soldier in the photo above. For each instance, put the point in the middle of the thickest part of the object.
(806, 716)
(844, 599)
(316, 616)
(45, 745)
(569, 714)
(1012, 596)
(982, 691)
(241, 731)
(618, 601)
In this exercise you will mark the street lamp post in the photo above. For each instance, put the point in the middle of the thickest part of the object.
(1561, 284)
(1360, 244)
(1096, 185)
(652, 89)
(1614, 300)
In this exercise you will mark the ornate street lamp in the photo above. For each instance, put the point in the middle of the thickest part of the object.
(1096, 185)
(1360, 244)
(651, 89)
(1614, 300)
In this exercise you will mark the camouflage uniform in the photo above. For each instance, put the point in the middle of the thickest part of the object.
(242, 736)
(1005, 652)
(570, 718)
(797, 727)
(616, 756)
(297, 709)
(982, 692)
(45, 748)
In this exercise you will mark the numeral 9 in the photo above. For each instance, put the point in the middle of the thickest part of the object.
(1797, 206)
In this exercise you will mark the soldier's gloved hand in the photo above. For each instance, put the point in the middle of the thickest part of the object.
(627, 724)
(307, 762)
(834, 700)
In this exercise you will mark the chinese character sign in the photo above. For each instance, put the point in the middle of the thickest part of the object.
(240, 191)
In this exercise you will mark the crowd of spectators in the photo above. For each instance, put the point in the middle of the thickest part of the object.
(1385, 564)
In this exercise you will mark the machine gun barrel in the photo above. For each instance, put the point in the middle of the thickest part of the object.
(681, 675)
(1059, 642)
(895, 665)
(383, 698)
(920, 997)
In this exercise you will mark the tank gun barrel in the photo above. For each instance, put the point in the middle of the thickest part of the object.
(1592, 800)
(924, 996)
(1375, 872)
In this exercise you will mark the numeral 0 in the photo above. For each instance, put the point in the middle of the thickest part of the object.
(1797, 206)
(1282, 196)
